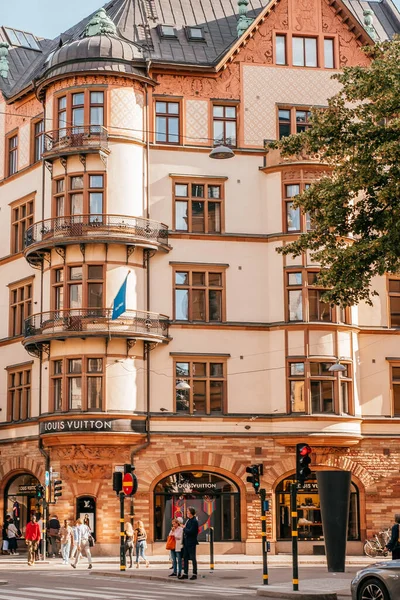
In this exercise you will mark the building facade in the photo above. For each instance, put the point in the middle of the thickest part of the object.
(221, 357)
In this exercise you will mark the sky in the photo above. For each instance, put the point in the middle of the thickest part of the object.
(46, 18)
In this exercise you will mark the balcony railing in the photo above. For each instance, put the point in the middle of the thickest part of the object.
(92, 138)
(94, 322)
(274, 158)
(80, 229)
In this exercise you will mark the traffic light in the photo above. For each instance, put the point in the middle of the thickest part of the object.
(303, 460)
(39, 492)
(129, 468)
(117, 482)
(256, 471)
(57, 489)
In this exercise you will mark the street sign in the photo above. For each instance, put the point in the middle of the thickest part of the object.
(119, 469)
(127, 484)
(46, 478)
(54, 475)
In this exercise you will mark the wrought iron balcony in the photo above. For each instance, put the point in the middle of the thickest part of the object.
(41, 237)
(42, 328)
(77, 139)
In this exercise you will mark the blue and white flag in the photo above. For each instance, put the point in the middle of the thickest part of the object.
(119, 306)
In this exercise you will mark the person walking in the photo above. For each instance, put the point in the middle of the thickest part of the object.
(177, 533)
(12, 534)
(65, 540)
(129, 537)
(190, 533)
(39, 548)
(53, 533)
(394, 543)
(32, 539)
(75, 538)
(4, 547)
(140, 543)
(82, 539)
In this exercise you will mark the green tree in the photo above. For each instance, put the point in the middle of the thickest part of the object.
(355, 206)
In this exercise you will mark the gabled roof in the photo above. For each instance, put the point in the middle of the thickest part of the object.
(138, 24)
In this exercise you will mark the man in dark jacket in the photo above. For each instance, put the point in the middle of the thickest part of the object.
(394, 543)
(190, 533)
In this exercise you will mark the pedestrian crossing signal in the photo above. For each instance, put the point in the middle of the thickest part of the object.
(256, 471)
(39, 492)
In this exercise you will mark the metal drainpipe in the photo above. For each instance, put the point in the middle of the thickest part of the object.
(41, 270)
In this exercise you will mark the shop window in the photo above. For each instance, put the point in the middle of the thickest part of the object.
(394, 302)
(309, 511)
(21, 219)
(199, 294)
(20, 501)
(198, 206)
(292, 120)
(77, 195)
(79, 287)
(77, 384)
(80, 109)
(215, 498)
(167, 122)
(207, 386)
(19, 393)
(396, 390)
(304, 52)
(86, 512)
(20, 306)
(224, 125)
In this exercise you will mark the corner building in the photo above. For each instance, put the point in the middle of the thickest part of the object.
(221, 358)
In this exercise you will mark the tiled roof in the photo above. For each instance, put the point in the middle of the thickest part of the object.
(137, 22)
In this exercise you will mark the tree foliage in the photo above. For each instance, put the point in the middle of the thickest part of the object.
(355, 207)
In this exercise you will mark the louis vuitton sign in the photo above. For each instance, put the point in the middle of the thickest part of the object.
(92, 425)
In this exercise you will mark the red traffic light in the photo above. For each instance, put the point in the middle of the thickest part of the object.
(304, 450)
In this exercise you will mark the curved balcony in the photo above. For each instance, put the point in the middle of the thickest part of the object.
(42, 328)
(41, 237)
(274, 158)
(75, 140)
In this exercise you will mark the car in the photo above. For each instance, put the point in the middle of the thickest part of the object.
(380, 581)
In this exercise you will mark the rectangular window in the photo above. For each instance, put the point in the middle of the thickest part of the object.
(292, 214)
(83, 379)
(295, 296)
(96, 116)
(396, 390)
(224, 125)
(20, 306)
(199, 295)
(394, 301)
(198, 207)
(57, 385)
(12, 155)
(38, 140)
(74, 384)
(285, 128)
(280, 49)
(206, 378)
(296, 383)
(304, 51)
(329, 59)
(62, 116)
(292, 120)
(167, 122)
(19, 393)
(302, 120)
(78, 287)
(318, 310)
(21, 219)
(322, 388)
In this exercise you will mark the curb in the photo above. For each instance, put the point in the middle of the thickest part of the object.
(164, 579)
(275, 594)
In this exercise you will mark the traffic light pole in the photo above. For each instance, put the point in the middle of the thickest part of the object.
(44, 538)
(122, 556)
(295, 555)
(264, 535)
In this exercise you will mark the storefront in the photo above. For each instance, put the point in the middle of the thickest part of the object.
(20, 500)
(309, 511)
(215, 498)
(86, 512)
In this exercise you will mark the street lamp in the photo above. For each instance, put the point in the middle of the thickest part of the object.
(337, 367)
(221, 152)
(182, 385)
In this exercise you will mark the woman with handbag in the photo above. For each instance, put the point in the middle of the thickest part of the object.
(174, 544)
(53, 532)
(129, 535)
(140, 543)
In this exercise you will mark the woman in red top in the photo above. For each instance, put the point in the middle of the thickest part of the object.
(32, 539)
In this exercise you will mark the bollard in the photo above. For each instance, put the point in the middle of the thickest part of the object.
(211, 538)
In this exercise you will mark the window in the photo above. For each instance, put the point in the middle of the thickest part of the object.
(284, 123)
(19, 393)
(224, 125)
(293, 120)
(38, 144)
(345, 390)
(167, 31)
(20, 306)
(22, 39)
(195, 34)
(198, 206)
(79, 194)
(394, 302)
(78, 112)
(302, 120)
(21, 219)
(304, 52)
(396, 390)
(322, 383)
(199, 294)
(280, 50)
(77, 287)
(295, 296)
(318, 310)
(77, 384)
(167, 122)
(96, 116)
(62, 116)
(207, 381)
(292, 213)
(12, 155)
(329, 59)
(80, 109)
(296, 384)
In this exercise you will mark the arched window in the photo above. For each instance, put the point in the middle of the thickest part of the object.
(309, 511)
(215, 498)
(20, 500)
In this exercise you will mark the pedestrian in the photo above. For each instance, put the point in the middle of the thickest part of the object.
(4, 548)
(82, 543)
(40, 523)
(394, 543)
(140, 543)
(129, 537)
(190, 533)
(65, 540)
(32, 539)
(75, 538)
(12, 534)
(177, 533)
(53, 531)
